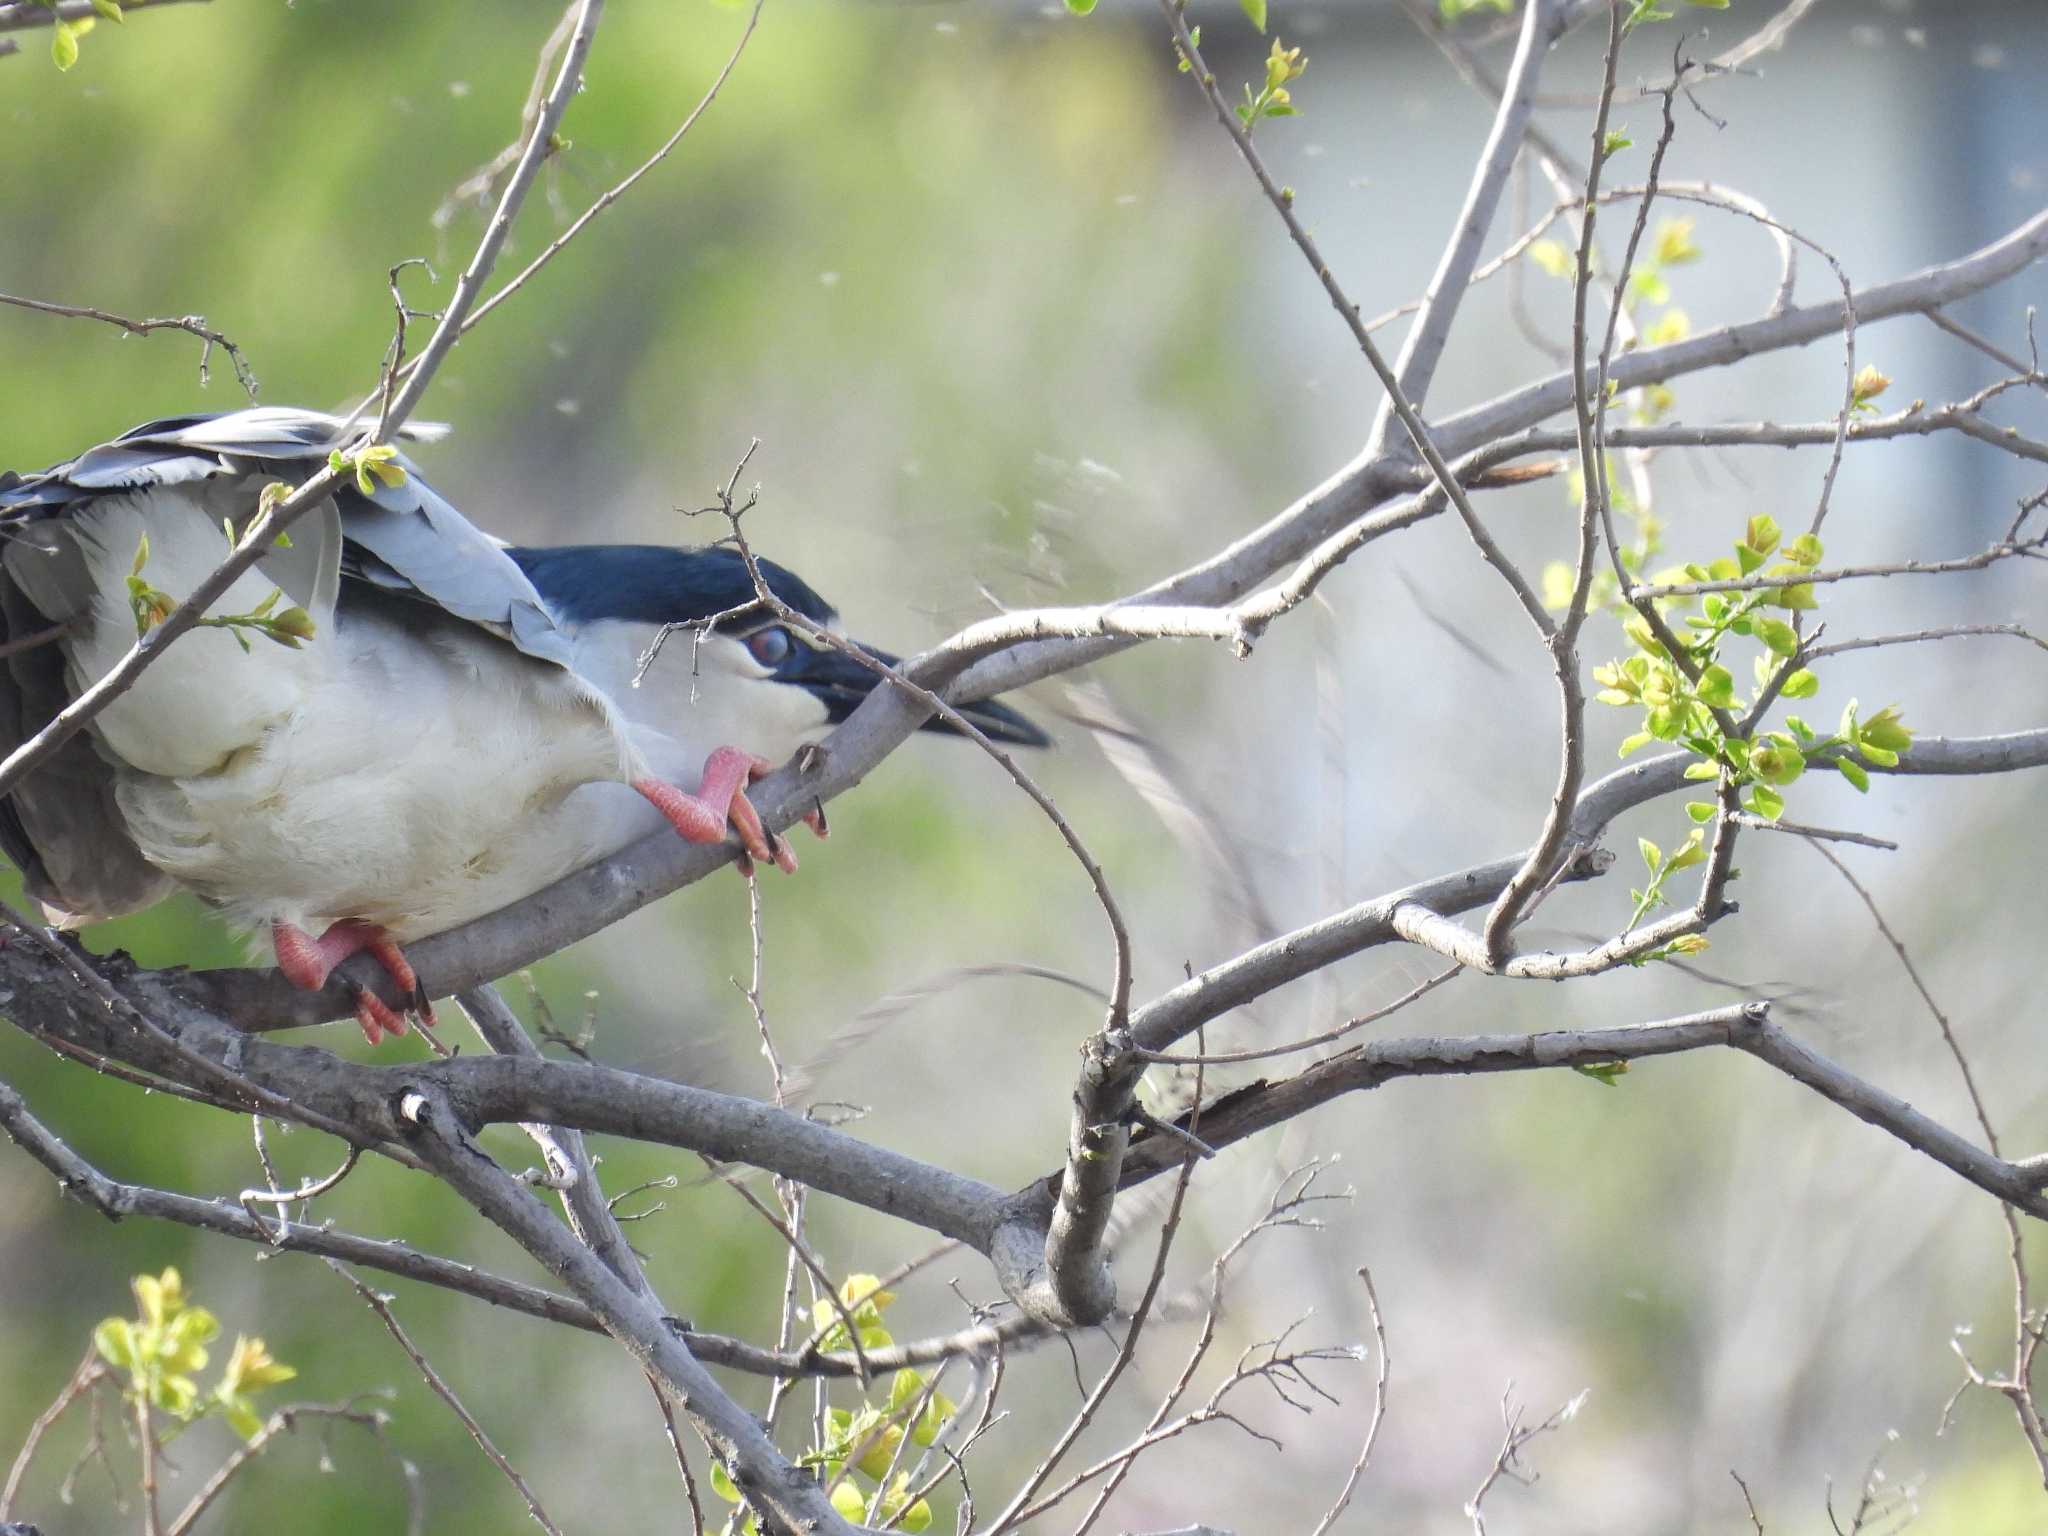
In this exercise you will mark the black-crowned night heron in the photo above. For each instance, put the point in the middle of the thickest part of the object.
(449, 725)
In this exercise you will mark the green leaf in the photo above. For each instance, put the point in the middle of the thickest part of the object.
(176, 1395)
(848, 1501)
(904, 1387)
(1692, 851)
(1674, 325)
(1717, 687)
(115, 1340)
(1762, 534)
(64, 44)
(111, 9)
(1636, 743)
(1777, 765)
(1648, 284)
(1552, 258)
(1666, 722)
(1855, 773)
(1254, 10)
(1800, 596)
(292, 626)
(1604, 1073)
(1886, 731)
(1652, 854)
(721, 1480)
(1801, 685)
(1615, 142)
(1079, 8)
(881, 1451)
(1702, 771)
(1778, 635)
(937, 1411)
(1804, 551)
(1700, 810)
(1766, 802)
(1559, 581)
(1675, 244)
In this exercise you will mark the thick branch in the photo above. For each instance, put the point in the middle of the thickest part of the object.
(1542, 23)
(1209, 994)
(788, 1500)
(1746, 1027)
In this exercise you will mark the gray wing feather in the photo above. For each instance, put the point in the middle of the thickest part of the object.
(61, 826)
(416, 542)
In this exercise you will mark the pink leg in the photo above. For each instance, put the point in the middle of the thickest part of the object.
(308, 962)
(721, 798)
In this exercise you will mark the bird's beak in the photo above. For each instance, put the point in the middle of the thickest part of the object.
(841, 682)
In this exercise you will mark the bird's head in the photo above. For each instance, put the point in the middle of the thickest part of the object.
(749, 679)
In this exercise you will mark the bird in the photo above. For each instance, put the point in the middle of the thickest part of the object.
(394, 722)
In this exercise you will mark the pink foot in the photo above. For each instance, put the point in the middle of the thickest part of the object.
(721, 798)
(308, 962)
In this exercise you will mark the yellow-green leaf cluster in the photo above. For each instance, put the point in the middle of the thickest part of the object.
(162, 1349)
(1272, 99)
(376, 463)
(1691, 699)
(875, 1439)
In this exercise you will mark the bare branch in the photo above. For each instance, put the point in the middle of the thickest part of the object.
(1542, 24)
(1745, 1027)
(89, 1371)
(1379, 1410)
(781, 1492)
(446, 1393)
(192, 325)
(539, 139)
(286, 1421)
(613, 194)
(24, 14)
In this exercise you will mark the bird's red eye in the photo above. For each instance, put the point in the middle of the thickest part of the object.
(770, 647)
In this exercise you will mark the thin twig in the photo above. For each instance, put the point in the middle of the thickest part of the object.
(1589, 402)
(675, 1444)
(613, 194)
(191, 325)
(1225, 1058)
(1379, 1409)
(1021, 1508)
(446, 1393)
(89, 1371)
(1756, 1521)
(24, 14)
(283, 1421)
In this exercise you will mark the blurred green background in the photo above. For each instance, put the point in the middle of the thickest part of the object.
(1006, 315)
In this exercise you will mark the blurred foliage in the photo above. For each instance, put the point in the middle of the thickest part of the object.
(831, 260)
(1003, 313)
